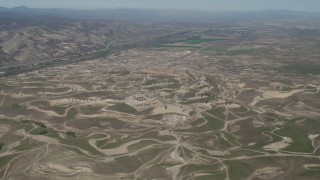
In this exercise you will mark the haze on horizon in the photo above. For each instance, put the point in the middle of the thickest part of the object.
(207, 5)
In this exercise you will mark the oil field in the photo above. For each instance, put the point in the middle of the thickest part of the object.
(86, 99)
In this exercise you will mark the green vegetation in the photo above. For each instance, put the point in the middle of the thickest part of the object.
(84, 124)
(39, 131)
(174, 84)
(41, 79)
(141, 144)
(198, 122)
(155, 116)
(72, 113)
(146, 112)
(165, 138)
(239, 170)
(46, 106)
(284, 88)
(240, 110)
(299, 135)
(27, 144)
(150, 82)
(45, 131)
(272, 115)
(76, 58)
(222, 144)
(218, 112)
(71, 139)
(8, 121)
(230, 137)
(241, 152)
(197, 100)
(200, 40)
(97, 136)
(274, 137)
(1, 146)
(152, 153)
(123, 108)
(109, 143)
(21, 110)
(40, 124)
(40, 103)
(70, 133)
(190, 94)
(191, 113)
(215, 124)
(239, 52)
(217, 176)
(110, 122)
(176, 46)
(314, 168)
(210, 171)
(17, 106)
(127, 164)
(214, 50)
(231, 117)
(81, 143)
(4, 160)
(302, 69)
(200, 168)
(27, 126)
(59, 110)
(4, 86)
(307, 174)
(168, 83)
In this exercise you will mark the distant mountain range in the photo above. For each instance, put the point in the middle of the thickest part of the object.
(160, 15)
(31, 35)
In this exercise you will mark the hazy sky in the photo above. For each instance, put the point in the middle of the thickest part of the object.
(212, 5)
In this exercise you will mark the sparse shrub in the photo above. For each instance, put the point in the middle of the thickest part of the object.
(40, 124)
(15, 106)
(42, 132)
(70, 133)
(1, 146)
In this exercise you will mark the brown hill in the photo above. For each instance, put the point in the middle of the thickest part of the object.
(6, 60)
